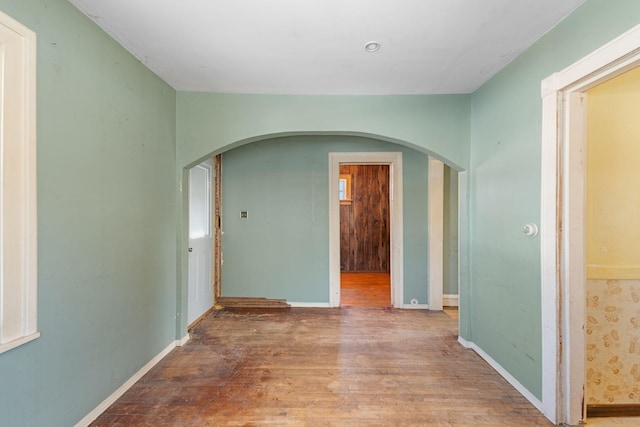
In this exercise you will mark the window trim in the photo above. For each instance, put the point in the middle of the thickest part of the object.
(347, 188)
(18, 249)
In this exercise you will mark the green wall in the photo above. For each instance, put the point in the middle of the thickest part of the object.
(111, 222)
(282, 249)
(213, 123)
(505, 187)
(208, 122)
(106, 221)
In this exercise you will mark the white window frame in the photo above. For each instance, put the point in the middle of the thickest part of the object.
(18, 221)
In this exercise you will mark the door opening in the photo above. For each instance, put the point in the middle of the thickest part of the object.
(200, 285)
(364, 235)
(393, 161)
(563, 246)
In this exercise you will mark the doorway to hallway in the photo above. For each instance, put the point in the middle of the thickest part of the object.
(364, 235)
(388, 251)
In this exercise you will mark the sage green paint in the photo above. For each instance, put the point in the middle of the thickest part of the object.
(282, 249)
(210, 122)
(450, 232)
(505, 187)
(106, 221)
(110, 215)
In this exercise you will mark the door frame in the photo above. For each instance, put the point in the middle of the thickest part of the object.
(394, 160)
(562, 243)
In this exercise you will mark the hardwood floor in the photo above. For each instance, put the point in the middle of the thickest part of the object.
(365, 289)
(351, 366)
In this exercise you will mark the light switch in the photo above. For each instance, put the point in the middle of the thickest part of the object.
(244, 214)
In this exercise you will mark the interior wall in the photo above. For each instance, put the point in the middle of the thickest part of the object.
(364, 220)
(613, 242)
(282, 249)
(506, 123)
(212, 123)
(450, 234)
(106, 221)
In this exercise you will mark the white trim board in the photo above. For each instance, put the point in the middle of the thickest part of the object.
(95, 413)
(435, 214)
(18, 194)
(414, 306)
(562, 222)
(394, 160)
(503, 372)
(450, 300)
(310, 304)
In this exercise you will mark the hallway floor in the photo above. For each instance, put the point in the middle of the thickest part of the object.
(365, 289)
(352, 366)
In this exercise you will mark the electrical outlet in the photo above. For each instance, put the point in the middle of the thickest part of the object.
(244, 214)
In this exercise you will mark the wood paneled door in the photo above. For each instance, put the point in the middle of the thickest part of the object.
(364, 220)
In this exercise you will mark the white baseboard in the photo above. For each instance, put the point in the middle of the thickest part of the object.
(91, 416)
(415, 306)
(183, 341)
(450, 300)
(503, 372)
(309, 304)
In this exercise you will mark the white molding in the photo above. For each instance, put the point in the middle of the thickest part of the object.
(414, 306)
(614, 58)
(562, 222)
(450, 300)
(95, 413)
(436, 232)
(394, 160)
(183, 341)
(503, 372)
(18, 224)
(18, 342)
(310, 304)
(548, 257)
(464, 287)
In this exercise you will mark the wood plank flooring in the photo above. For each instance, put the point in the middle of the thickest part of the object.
(351, 366)
(365, 289)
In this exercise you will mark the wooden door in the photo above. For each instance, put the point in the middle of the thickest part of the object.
(364, 220)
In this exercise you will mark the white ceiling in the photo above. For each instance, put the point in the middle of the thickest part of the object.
(317, 46)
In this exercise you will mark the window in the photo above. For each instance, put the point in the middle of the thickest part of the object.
(199, 201)
(18, 226)
(345, 189)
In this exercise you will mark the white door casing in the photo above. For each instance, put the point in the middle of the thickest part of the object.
(200, 291)
(436, 233)
(563, 263)
(394, 160)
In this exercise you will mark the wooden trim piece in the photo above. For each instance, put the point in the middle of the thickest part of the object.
(617, 410)
(202, 316)
(251, 302)
(217, 233)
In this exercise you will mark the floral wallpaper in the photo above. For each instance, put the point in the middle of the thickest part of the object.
(613, 341)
